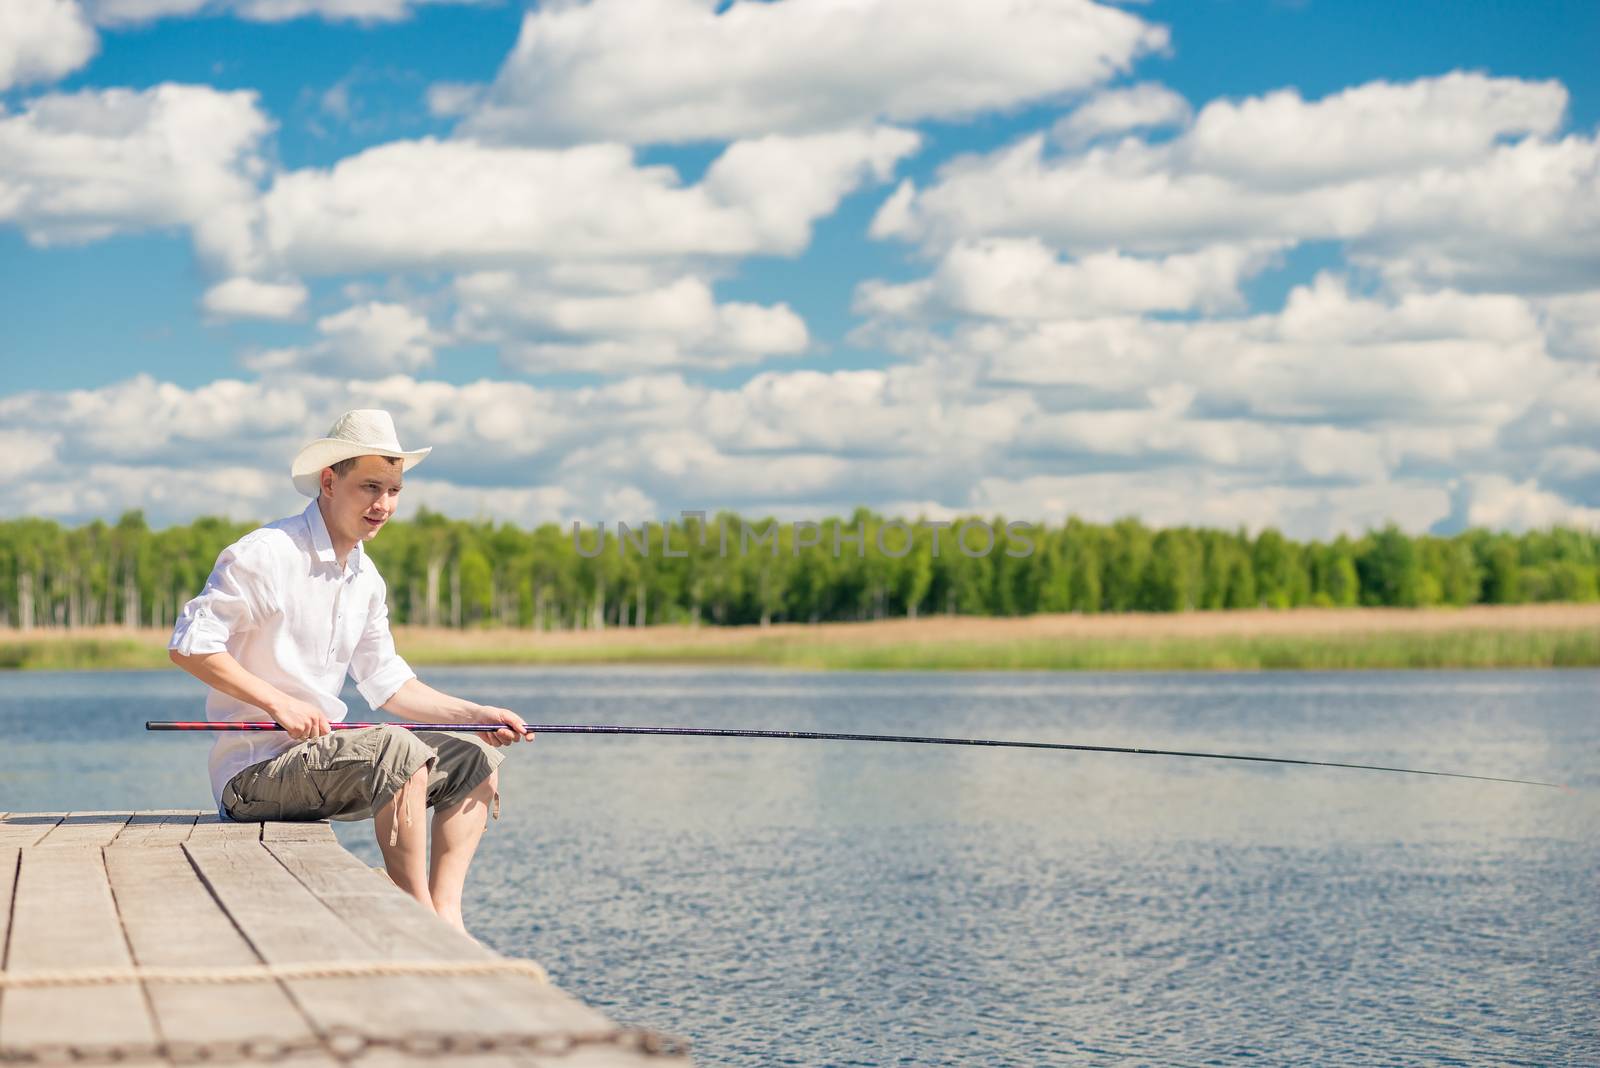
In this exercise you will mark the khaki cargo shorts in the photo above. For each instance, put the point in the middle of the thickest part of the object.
(350, 775)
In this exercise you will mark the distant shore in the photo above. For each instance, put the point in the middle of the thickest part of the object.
(1512, 636)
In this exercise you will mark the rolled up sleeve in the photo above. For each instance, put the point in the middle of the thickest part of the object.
(236, 598)
(377, 669)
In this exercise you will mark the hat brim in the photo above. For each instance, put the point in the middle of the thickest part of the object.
(306, 471)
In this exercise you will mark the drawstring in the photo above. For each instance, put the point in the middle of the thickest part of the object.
(394, 828)
(400, 799)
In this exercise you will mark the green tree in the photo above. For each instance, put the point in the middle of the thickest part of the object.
(1503, 582)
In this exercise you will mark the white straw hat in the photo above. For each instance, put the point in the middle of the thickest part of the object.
(363, 432)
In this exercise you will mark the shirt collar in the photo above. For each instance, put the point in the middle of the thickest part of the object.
(322, 542)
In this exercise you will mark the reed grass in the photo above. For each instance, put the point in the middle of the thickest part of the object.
(1511, 647)
(1221, 653)
(78, 653)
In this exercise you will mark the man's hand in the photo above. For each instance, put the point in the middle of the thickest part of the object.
(511, 733)
(301, 719)
(417, 700)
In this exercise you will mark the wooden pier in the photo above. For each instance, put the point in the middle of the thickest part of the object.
(156, 938)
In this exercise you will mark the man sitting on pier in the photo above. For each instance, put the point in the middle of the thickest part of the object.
(288, 610)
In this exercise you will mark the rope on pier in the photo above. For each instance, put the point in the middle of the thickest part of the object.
(348, 1046)
(267, 973)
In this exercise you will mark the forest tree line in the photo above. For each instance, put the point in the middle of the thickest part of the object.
(729, 570)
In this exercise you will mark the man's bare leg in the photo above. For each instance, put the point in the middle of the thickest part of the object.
(407, 860)
(456, 831)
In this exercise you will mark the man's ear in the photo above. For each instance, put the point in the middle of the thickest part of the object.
(327, 478)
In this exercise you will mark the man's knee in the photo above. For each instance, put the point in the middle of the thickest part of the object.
(472, 760)
(479, 770)
(468, 771)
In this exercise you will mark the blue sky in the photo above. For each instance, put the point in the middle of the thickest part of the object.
(1320, 338)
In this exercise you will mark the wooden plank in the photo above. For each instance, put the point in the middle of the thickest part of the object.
(286, 924)
(8, 882)
(63, 916)
(298, 831)
(157, 829)
(26, 828)
(86, 829)
(399, 928)
(171, 920)
(394, 923)
(211, 828)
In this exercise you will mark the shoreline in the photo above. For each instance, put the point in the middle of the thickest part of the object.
(1479, 636)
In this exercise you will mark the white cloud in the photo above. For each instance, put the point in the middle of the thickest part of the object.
(1321, 404)
(1329, 355)
(82, 166)
(700, 472)
(85, 166)
(168, 493)
(1137, 107)
(1021, 278)
(791, 442)
(1527, 218)
(42, 40)
(1282, 141)
(1198, 495)
(120, 12)
(427, 204)
(518, 503)
(247, 298)
(881, 413)
(333, 10)
(379, 337)
(1416, 179)
(1080, 343)
(1502, 503)
(1573, 325)
(1158, 435)
(1573, 470)
(542, 327)
(452, 99)
(224, 448)
(375, 338)
(125, 12)
(22, 452)
(143, 421)
(335, 100)
(642, 71)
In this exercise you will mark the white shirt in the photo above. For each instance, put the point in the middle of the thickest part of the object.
(279, 602)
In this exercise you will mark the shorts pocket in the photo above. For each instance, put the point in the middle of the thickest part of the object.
(346, 770)
(278, 790)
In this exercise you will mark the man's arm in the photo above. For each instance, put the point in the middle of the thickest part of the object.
(419, 702)
(221, 672)
(237, 597)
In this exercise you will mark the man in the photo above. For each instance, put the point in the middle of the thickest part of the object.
(288, 610)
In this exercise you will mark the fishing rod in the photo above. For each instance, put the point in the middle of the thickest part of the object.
(830, 736)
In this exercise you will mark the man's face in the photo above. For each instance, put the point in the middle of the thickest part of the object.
(362, 499)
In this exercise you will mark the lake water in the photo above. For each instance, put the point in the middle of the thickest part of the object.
(832, 903)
